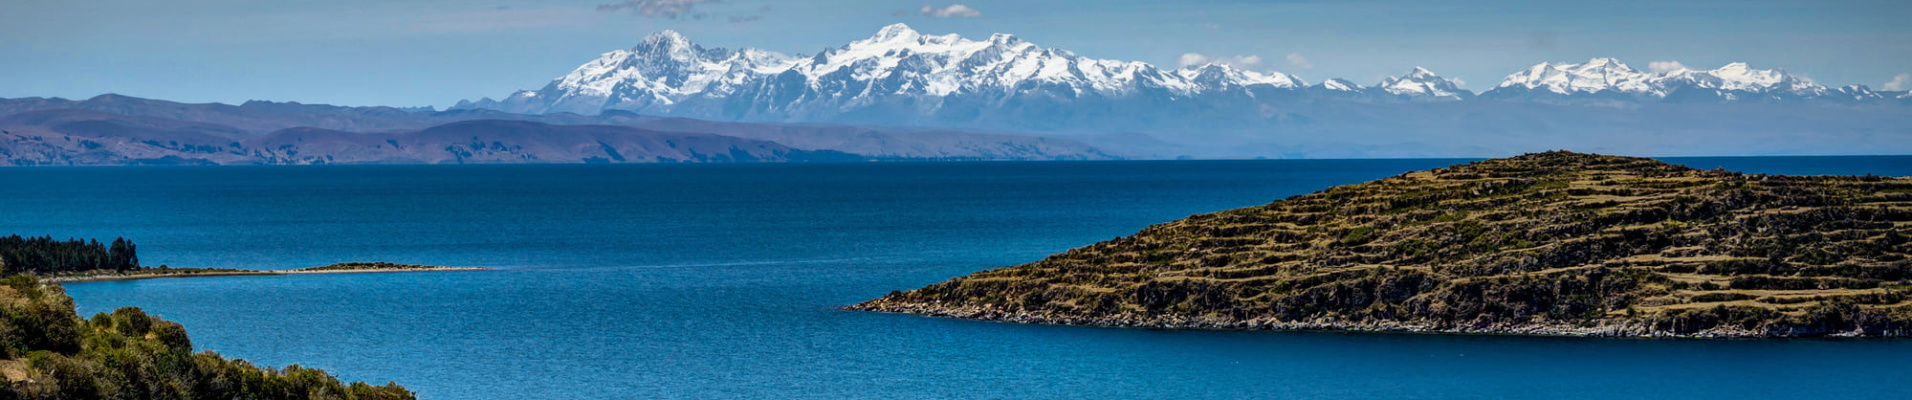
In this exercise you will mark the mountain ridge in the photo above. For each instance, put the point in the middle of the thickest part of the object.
(666, 73)
(115, 129)
(116, 142)
(903, 78)
(1732, 82)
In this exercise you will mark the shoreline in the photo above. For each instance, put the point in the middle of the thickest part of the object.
(188, 273)
(1617, 329)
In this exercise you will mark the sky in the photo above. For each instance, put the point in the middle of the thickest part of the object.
(436, 52)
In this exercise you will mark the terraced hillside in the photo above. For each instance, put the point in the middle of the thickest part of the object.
(1549, 243)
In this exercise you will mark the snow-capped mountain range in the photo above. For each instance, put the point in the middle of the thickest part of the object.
(943, 76)
(1609, 78)
(1422, 84)
(903, 78)
(668, 74)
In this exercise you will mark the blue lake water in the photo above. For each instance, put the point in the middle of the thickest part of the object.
(722, 281)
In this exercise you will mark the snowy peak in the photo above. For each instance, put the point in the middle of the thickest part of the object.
(1420, 74)
(667, 69)
(1595, 75)
(900, 61)
(896, 31)
(1855, 93)
(1741, 77)
(665, 38)
(1422, 83)
(1609, 78)
(1605, 63)
(1339, 85)
(901, 36)
(1213, 77)
(672, 46)
(662, 69)
(899, 70)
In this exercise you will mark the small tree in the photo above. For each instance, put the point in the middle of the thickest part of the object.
(122, 255)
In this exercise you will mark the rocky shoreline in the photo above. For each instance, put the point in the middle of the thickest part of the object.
(1605, 328)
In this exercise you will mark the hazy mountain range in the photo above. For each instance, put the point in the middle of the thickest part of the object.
(115, 130)
(904, 95)
(900, 77)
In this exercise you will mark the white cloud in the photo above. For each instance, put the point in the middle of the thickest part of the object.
(1900, 82)
(1665, 66)
(1299, 61)
(1197, 59)
(671, 9)
(952, 11)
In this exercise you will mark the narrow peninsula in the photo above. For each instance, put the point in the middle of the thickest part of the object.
(1554, 243)
(167, 272)
(75, 260)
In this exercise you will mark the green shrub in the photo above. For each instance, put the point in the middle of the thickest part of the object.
(109, 357)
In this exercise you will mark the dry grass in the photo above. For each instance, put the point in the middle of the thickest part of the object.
(1542, 238)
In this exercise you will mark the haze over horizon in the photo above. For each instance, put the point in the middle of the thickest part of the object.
(436, 52)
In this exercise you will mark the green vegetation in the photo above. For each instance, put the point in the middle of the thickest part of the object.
(1552, 243)
(51, 353)
(44, 255)
(48, 352)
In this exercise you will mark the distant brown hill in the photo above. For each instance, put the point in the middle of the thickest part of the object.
(113, 129)
(1551, 243)
(493, 141)
(118, 142)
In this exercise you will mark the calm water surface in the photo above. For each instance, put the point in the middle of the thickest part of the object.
(721, 281)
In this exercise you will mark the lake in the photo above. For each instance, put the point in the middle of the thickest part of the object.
(723, 281)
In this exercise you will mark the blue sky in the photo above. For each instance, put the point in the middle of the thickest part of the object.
(435, 52)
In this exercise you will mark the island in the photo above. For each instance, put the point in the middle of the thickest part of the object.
(1555, 243)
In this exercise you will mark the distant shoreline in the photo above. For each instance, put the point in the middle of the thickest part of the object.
(342, 268)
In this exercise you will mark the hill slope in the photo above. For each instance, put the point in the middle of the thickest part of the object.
(48, 352)
(502, 141)
(115, 142)
(1555, 242)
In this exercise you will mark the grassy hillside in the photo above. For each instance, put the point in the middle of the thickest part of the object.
(1542, 243)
